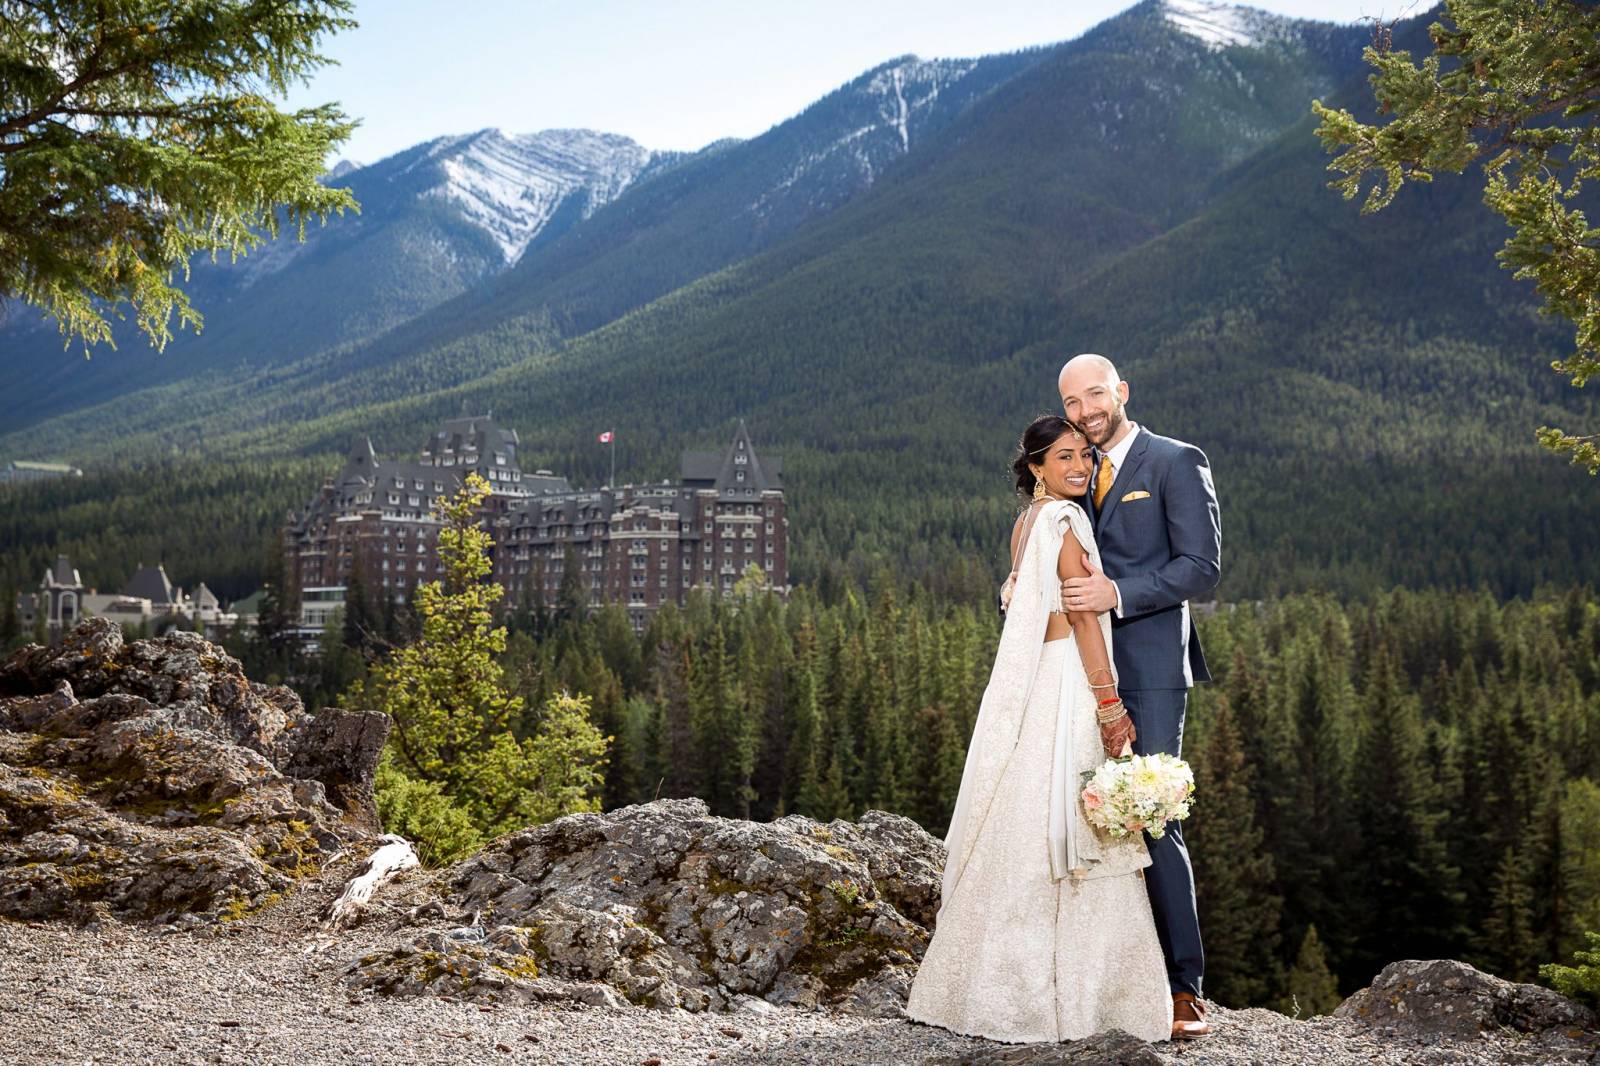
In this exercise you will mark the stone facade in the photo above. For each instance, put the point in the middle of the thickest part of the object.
(638, 545)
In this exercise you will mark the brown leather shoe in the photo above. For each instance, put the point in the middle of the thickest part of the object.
(1188, 1017)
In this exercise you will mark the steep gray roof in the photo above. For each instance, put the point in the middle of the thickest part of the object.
(63, 573)
(476, 434)
(150, 583)
(720, 470)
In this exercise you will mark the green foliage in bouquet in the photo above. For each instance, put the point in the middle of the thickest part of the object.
(1580, 982)
(1515, 85)
(464, 761)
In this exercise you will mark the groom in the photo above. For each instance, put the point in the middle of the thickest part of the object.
(1160, 536)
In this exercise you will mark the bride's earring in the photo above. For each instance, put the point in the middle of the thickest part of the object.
(1038, 487)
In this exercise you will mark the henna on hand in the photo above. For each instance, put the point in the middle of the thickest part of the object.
(1114, 735)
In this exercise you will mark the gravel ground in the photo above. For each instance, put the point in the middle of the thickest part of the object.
(267, 990)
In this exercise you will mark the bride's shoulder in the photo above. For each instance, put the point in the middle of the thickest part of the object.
(1067, 510)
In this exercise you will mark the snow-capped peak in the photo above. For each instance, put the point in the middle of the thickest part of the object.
(511, 184)
(1219, 25)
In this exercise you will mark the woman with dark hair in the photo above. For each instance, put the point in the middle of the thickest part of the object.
(1044, 931)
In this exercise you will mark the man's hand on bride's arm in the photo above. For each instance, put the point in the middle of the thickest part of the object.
(1094, 593)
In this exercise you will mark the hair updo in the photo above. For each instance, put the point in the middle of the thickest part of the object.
(1036, 440)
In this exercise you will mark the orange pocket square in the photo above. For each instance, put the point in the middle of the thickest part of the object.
(1139, 495)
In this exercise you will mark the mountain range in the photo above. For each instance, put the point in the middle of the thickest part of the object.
(882, 286)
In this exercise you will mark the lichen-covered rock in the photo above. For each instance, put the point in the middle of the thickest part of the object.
(148, 781)
(501, 967)
(1442, 997)
(675, 908)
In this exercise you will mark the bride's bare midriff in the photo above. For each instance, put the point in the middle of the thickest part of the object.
(1057, 627)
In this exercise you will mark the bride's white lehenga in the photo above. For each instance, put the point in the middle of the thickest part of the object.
(1044, 932)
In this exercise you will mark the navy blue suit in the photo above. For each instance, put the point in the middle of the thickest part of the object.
(1160, 537)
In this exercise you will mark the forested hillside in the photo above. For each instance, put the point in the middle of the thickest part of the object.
(1366, 388)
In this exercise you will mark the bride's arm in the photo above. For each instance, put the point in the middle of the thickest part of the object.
(1114, 735)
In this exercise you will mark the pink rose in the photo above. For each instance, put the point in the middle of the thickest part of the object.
(1092, 799)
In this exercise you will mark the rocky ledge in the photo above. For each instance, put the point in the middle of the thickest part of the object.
(663, 905)
(154, 781)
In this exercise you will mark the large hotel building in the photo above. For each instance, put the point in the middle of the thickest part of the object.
(638, 545)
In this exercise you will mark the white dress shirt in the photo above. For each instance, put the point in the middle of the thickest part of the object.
(1119, 455)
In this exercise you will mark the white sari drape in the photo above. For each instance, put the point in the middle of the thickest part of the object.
(1076, 848)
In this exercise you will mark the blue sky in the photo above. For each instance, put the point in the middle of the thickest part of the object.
(670, 74)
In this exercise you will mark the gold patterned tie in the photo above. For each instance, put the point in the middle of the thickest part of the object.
(1102, 481)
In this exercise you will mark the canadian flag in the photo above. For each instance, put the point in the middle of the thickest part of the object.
(608, 436)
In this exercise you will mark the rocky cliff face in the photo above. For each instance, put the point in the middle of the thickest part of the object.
(663, 905)
(154, 781)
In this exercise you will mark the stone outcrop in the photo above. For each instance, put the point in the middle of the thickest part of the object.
(1442, 997)
(663, 905)
(154, 781)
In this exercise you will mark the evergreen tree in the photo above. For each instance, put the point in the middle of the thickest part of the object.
(1311, 989)
(137, 135)
(1579, 913)
(454, 716)
(677, 763)
(723, 741)
(362, 622)
(806, 750)
(937, 761)
(572, 598)
(1410, 899)
(1233, 872)
(1511, 84)
(1506, 944)
(10, 622)
(279, 614)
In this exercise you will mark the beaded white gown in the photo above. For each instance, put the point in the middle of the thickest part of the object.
(1044, 932)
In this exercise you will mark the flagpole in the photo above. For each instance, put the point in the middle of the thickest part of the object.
(613, 459)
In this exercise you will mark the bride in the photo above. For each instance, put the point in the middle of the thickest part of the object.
(1044, 931)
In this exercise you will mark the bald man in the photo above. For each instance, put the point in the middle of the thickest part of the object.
(1160, 535)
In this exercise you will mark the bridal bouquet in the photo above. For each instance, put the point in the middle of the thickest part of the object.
(1138, 792)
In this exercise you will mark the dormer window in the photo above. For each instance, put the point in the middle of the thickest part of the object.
(741, 459)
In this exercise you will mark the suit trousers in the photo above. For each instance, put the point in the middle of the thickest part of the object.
(1158, 717)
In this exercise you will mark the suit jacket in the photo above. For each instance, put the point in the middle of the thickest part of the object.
(1160, 537)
